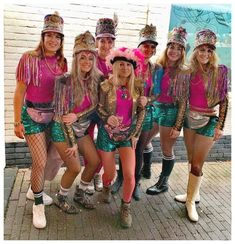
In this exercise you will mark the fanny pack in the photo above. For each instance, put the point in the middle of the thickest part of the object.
(41, 115)
(196, 120)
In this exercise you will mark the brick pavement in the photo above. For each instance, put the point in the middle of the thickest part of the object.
(154, 217)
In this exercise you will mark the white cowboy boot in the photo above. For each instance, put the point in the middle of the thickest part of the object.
(182, 197)
(194, 183)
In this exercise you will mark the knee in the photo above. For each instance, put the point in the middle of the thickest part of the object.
(129, 179)
(196, 169)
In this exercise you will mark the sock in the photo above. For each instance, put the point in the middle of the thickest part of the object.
(64, 191)
(83, 185)
(38, 197)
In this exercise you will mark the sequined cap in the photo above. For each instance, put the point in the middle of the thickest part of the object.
(178, 35)
(148, 34)
(207, 37)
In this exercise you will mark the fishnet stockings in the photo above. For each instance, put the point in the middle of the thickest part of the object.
(38, 149)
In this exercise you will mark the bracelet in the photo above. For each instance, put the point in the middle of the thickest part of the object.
(17, 123)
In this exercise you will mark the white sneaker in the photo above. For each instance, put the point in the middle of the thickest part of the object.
(91, 188)
(47, 200)
(98, 182)
(39, 218)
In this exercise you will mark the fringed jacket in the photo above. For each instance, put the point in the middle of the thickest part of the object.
(217, 93)
(107, 104)
(178, 90)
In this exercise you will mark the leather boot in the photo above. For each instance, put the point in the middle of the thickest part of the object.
(125, 214)
(159, 187)
(194, 183)
(146, 170)
(106, 194)
(182, 197)
(162, 184)
(137, 192)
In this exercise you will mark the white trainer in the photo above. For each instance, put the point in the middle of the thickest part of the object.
(39, 218)
(98, 182)
(90, 188)
(47, 200)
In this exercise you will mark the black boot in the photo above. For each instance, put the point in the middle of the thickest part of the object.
(118, 182)
(146, 170)
(162, 184)
(137, 192)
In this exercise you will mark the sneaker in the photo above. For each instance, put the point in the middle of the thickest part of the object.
(47, 200)
(39, 218)
(83, 199)
(91, 188)
(63, 203)
(98, 182)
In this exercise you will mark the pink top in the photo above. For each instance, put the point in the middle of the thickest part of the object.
(124, 106)
(164, 97)
(197, 92)
(102, 66)
(86, 103)
(43, 93)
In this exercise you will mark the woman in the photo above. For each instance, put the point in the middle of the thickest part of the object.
(76, 96)
(172, 94)
(35, 76)
(146, 49)
(122, 120)
(208, 88)
(105, 35)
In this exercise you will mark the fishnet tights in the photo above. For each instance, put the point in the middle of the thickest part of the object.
(38, 149)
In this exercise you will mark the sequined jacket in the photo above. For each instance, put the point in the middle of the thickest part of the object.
(107, 104)
(217, 94)
(178, 90)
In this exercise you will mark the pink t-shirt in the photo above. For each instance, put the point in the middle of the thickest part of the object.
(124, 106)
(86, 103)
(164, 97)
(102, 66)
(45, 91)
(197, 92)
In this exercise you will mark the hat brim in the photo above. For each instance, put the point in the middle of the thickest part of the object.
(45, 31)
(176, 43)
(207, 44)
(108, 35)
(151, 41)
(85, 50)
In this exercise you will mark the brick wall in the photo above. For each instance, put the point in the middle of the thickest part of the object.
(17, 154)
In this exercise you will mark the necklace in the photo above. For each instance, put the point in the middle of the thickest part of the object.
(124, 94)
(50, 68)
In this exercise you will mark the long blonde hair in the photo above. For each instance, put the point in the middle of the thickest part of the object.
(131, 81)
(92, 81)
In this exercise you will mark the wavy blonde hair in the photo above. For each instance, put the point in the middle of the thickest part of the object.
(131, 81)
(92, 80)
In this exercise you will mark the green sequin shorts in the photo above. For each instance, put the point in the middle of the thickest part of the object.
(148, 119)
(106, 144)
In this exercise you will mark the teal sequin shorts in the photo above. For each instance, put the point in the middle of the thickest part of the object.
(208, 129)
(106, 144)
(165, 114)
(148, 119)
(30, 126)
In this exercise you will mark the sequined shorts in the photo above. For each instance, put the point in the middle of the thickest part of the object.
(106, 144)
(30, 126)
(148, 119)
(165, 114)
(208, 129)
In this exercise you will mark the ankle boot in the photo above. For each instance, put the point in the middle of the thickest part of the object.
(159, 187)
(106, 194)
(183, 197)
(137, 192)
(125, 214)
(146, 170)
(118, 182)
(194, 183)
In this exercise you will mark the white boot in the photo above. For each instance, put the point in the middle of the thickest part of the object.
(194, 183)
(39, 218)
(182, 197)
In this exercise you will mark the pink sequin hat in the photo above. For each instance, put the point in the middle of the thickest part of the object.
(122, 54)
(84, 42)
(54, 23)
(106, 27)
(178, 35)
(205, 37)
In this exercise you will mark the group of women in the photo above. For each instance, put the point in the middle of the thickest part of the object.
(130, 100)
